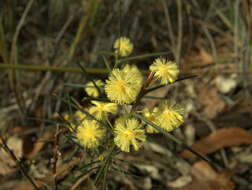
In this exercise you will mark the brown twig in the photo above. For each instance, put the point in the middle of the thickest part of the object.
(148, 81)
(55, 156)
(18, 163)
(83, 178)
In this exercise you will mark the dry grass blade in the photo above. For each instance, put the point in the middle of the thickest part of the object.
(3, 50)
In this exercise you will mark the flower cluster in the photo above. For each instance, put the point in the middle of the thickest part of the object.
(123, 87)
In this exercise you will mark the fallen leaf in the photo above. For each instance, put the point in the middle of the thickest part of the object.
(26, 186)
(224, 84)
(7, 165)
(206, 58)
(197, 60)
(150, 103)
(38, 145)
(180, 182)
(205, 177)
(62, 171)
(210, 98)
(150, 169)
(225, 137)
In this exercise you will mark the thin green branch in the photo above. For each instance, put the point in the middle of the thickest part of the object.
(87, 75)
(96, 71)
(173, 138)
(142, 56)
(97, 177)
(161, 86)
(51, 68)
(77, 106)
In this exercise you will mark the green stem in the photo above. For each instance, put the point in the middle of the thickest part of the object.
(176, 140)
(104, 165)
(51, 68)
(162, 85)
(101, 71)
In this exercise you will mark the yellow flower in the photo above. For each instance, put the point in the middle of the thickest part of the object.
(121, 119)
(123, 46)
(101, 157)
(90, 134)
(92, 90)
(79, 115)
(100, 109)
(67, 117)
(170, 116)
(129, 133)
(151, 116)
(72, 126)
(165, 70)
(124, 85)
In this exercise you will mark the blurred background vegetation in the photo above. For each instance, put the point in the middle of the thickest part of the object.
(209, 38)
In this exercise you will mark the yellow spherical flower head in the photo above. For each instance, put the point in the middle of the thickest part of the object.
(123, 46)
(79, 115)
(90, 134)
(129, 132)
(74, 122)
(67, 117)
(101, 110)
(91, 90)
(124, 84)
(170, 116)
(165, 70)
(121, 119)
(151, 116)
(72, 126)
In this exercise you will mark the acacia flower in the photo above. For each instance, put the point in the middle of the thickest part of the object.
(79, 115)
(90, 134)
(122, 118)
(151, 116)
(123, 46)
(129, 132)
(92, 90)
(170, 116)
(71, 125)
(101, 110)
(124, 85)
(67, 117)
(165, 70)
